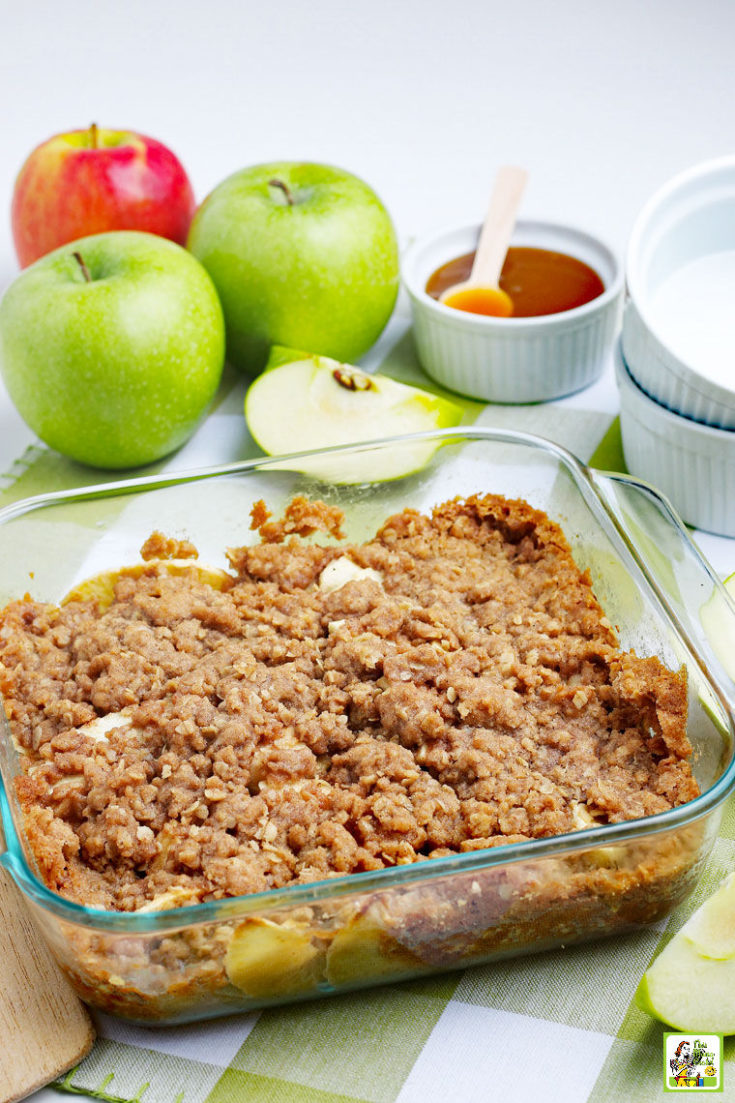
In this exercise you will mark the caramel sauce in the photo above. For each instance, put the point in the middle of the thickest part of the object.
(539, 281)
(481, 300)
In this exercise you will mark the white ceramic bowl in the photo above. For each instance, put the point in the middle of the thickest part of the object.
(513, 359)
(693, 464)
(678, 332)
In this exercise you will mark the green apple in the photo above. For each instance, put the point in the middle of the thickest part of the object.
(691, 984)
(303, 401)
(112, 347)
(302, 255)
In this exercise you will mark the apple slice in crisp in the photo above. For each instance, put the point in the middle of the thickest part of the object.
(691, 984)
(363, 950)
(303, 402)
(101, 587)
(267, 960)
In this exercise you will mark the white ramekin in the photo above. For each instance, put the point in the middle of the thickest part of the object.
(513, 359)
(691, 217)
(693, 464)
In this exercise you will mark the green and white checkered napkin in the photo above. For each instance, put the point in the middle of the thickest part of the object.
(554, 1026)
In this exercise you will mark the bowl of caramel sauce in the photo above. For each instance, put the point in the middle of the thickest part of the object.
(566, 289)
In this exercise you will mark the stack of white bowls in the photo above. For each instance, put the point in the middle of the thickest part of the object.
(676, 360)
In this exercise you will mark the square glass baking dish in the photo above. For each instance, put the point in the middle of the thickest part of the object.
(310, 940)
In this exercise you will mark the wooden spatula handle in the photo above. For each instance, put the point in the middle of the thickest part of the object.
(44, 1027)
(498, 226)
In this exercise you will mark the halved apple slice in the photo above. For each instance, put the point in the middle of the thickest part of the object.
(268, 960)
(302, 401)
(691, 984)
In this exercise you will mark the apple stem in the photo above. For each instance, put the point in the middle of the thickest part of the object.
(80, 261)
(93, 136)
(284, 188)
(352, 379)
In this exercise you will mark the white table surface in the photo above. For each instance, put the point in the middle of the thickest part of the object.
(602, 100)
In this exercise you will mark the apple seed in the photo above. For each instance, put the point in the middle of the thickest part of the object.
(352, 379)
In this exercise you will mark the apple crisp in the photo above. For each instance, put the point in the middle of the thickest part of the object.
(451, 685)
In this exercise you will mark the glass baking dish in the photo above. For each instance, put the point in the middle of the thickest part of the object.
(309, 940)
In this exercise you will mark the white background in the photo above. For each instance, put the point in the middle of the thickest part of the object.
(602, 100)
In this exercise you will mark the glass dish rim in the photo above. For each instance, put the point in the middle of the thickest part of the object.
(586, 479)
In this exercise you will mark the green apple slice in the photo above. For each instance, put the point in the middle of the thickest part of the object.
(304, 402)
(690, 992)
(711, 930)
(691, 984)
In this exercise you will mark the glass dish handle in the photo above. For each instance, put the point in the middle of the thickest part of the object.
(682, 579)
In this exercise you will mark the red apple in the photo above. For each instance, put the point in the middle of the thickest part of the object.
(91, 181)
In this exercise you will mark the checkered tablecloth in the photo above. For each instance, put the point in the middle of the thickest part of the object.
(554, 1026)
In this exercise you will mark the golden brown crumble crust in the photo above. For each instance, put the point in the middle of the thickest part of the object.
(158, 546)
(461, 689)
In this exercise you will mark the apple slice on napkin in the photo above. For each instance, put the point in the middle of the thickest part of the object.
(691, 984)
(303, 401)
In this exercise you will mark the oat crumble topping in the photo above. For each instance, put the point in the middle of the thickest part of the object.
(455, 687)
